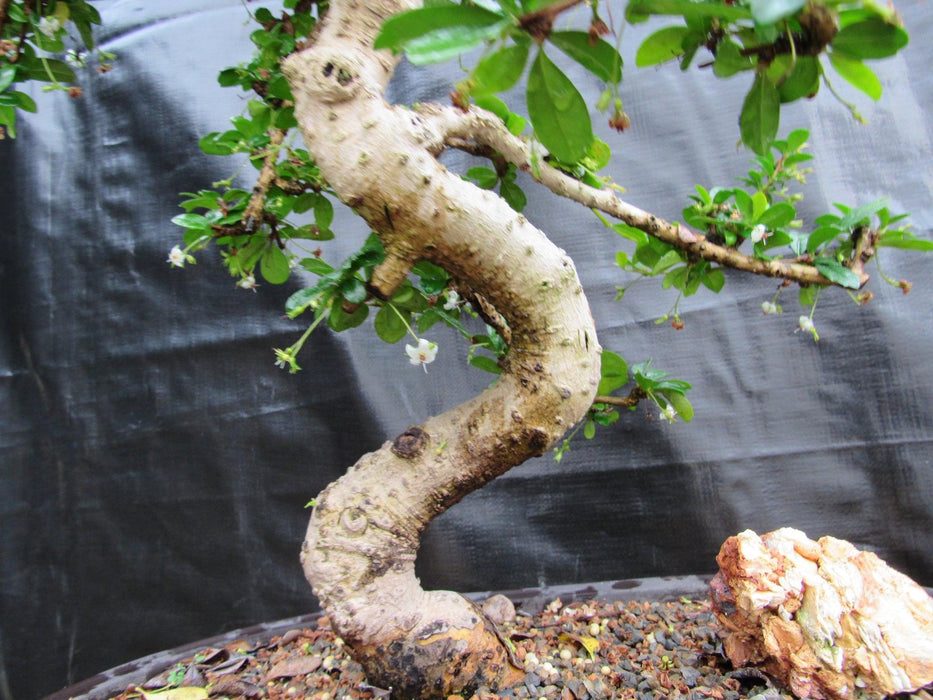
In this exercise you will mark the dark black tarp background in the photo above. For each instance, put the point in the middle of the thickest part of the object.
(154, 464)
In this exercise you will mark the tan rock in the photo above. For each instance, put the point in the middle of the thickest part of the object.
(825, 618)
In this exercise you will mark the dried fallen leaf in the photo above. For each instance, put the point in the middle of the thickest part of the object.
(589, 643)
(294, 666)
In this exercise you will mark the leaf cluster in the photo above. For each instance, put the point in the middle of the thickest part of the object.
(30, 35)
(781, 42)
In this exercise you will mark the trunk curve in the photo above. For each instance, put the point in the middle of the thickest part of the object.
(364, 533)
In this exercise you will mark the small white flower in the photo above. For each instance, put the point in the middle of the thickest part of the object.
(805, 324)
(247, 282)
(77, 59)
(423, 354)
(452, 299)
(769, 307)
(176, 257)
(759, 233)
(49, 26)
(669, 413)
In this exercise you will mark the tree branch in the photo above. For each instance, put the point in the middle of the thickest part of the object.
(487, 129)
(634, 396)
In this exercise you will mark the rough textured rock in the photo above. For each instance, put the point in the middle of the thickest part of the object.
(825, 618)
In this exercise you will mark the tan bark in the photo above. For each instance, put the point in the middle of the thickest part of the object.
(363, 537)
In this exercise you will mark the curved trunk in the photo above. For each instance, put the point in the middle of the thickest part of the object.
(364, 533)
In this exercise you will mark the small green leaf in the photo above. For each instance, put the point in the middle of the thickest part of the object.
(759, 205)
(389, 324)
(680, 404)
(513, 195)
(835, 271)
(761, 113)
(856, 74)
(664, 45)
(438, 33)
(859, 214)
(904, 241)
(714, 280)
(500, 70)
(778, 215)
(558, 112)
(601, 58)
(729, 60)
(484, 177)
(870, 38)
(339, 320)
(485, 363)
(195, 221)
(589, 430)
(613, 373)
(274, 265)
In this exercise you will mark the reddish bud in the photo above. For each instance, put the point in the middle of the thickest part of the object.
(75, 92)
(620, 121)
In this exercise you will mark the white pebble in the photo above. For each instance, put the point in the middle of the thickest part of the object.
(566, 654)
(594, 629)
(605, 670)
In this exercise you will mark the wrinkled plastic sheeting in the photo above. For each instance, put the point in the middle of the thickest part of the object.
(155, 465)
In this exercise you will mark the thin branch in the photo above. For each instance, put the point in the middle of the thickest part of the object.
(487, 129)
(252, 216)
(635, 395)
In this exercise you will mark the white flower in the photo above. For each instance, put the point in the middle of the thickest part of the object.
(805, 324)
(49, 26)
(769, 307)
(423, 354)
(759, 233)
(452, 299)
(247, 282)
(176, 257)
(669, 413)
(78, 59)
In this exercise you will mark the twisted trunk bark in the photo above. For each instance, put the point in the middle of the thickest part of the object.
(364, 533)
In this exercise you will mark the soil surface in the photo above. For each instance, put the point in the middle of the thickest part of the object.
(578, 651)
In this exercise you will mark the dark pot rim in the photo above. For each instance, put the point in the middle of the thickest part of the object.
(531, 600)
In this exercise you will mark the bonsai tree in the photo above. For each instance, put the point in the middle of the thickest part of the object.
(455, 248)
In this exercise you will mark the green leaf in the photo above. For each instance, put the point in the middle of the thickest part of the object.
(61, 71)
(870, 38)
(195, 221)
(558, 112)
(904, 241)
(389, 325)
(761, 113)
(803, 81)
(729, 60)
(778, 215)
(664, 45)
(500, 70)
(714, 280)
(856, 74)
(433, 34)
(589, 430)
(613, 373)
(770, 11)
(339, 320)
(485, 363)
(513, 195)
(601, 58)
(835, 271)
(7, 75)
(484, 177)
(680, 404)
(759, 205)
(687, 8)
(859, 214)
(274, 265)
